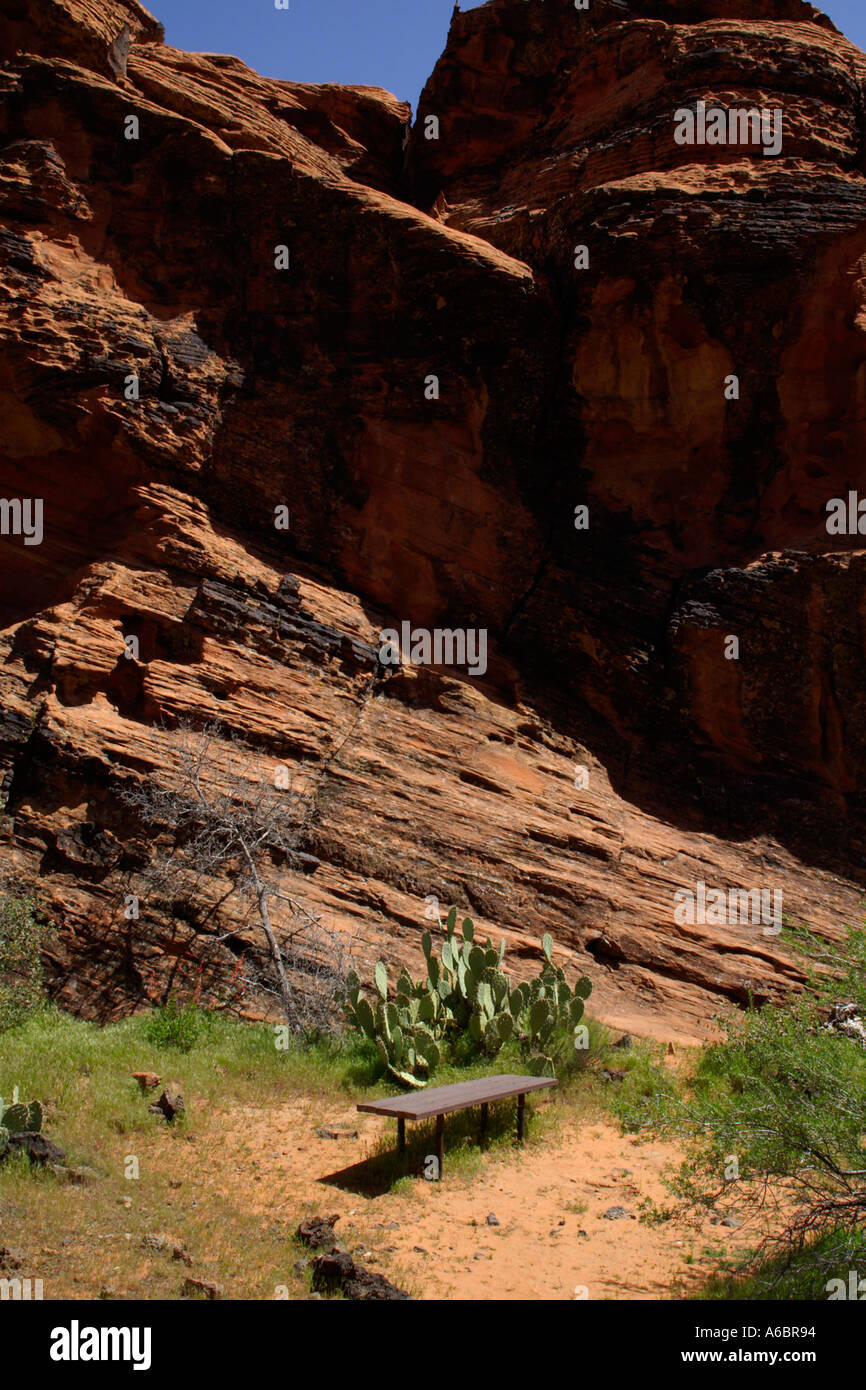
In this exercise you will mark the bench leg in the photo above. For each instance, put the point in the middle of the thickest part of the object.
(521, 1117)
(485, 1117)
(401, 1135)
(440, 1142)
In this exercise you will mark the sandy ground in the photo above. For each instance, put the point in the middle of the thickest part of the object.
(553, 1240)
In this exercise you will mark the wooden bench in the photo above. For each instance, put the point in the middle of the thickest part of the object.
(442, 1100)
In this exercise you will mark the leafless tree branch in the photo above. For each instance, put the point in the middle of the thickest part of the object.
(226, 819)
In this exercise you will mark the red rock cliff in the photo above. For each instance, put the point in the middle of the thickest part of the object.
(601, 387)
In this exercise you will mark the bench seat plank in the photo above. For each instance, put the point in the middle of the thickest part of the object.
(442, 1100)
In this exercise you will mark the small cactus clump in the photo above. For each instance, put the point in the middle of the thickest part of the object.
(18, 1118)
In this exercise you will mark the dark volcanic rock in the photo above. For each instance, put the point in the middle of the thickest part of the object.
(37, 1148)
(170, 1104)
(339, 1271)
(318, 1232)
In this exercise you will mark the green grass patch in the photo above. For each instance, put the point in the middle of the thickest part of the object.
(821, 1270)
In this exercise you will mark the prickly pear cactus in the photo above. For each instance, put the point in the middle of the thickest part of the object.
(541, 1065)
(15, 1118)
(466, 990)
(19, 1116)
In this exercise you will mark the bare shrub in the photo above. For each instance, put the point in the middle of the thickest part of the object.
(228, 820)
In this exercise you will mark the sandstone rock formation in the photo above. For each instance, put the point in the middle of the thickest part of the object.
(155, 258)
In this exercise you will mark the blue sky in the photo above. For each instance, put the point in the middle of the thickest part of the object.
(382, 43)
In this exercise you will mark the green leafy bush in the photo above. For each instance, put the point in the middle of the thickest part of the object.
(467, 1005)
(784, 1099)
(22, 935)
(819, 1269)
(176, 1025)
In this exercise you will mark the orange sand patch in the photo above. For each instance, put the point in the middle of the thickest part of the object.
(553, 1241)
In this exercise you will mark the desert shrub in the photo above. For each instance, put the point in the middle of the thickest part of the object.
(820, 1269)
(784, 1098)
(22, 934)
(176, 1025)
(222, 815)
(316, 963)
